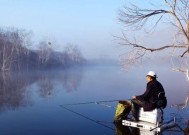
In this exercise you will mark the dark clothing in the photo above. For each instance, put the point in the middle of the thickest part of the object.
(136, 104)
(150, 96)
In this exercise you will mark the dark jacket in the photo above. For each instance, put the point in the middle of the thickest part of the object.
(150, 96)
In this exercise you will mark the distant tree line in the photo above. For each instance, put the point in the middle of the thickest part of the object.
(16, 53)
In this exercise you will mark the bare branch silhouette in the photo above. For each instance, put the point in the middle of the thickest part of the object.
(173, 13)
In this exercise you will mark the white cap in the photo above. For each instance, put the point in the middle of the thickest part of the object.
(152, 73)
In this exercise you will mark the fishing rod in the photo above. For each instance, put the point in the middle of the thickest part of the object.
(97, 102)
(88, 118)
(92, 102)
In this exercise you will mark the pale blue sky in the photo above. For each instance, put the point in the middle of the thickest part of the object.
(89, 24)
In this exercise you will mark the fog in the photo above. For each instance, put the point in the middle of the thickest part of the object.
(91, 26)
(34, 98)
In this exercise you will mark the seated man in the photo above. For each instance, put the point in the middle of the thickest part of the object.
(147, 100)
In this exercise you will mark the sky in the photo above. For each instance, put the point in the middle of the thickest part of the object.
(89, 24)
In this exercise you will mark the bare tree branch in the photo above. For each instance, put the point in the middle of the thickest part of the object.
(140, 17)
(184, 53)
(127, 42)
(135, 15)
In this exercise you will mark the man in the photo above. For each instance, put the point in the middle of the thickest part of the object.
(148, 100)
(150, 97)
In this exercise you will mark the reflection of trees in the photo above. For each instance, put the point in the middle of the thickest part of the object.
(13, 91)
(71, 79)
(46, 85)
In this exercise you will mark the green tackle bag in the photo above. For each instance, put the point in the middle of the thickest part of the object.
(122, 110)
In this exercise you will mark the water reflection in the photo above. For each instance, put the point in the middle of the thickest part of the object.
(182, 105)
(45, 85)
(27, 89)
(124, 130)
(15, 89)
(186, 130)
(13, 92)
(71, 79)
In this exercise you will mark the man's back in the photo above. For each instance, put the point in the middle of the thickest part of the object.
(155, 88)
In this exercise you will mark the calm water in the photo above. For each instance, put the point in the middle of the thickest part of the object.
(30, 103)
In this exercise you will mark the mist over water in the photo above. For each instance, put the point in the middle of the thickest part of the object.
(30, 101)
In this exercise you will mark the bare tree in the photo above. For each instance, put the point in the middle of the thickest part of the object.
(7, 51)
(72, 55)
(16, 54)
(45, 51)
(12, 48)
(174, 13)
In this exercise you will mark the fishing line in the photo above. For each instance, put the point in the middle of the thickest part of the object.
(88, 118)
(109, 106)
(107, 122)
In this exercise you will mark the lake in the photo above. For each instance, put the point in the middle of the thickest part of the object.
(32, 103)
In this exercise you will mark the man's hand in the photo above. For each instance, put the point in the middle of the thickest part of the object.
(134, 97)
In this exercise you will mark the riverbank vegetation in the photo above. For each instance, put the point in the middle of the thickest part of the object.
(16, 53)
